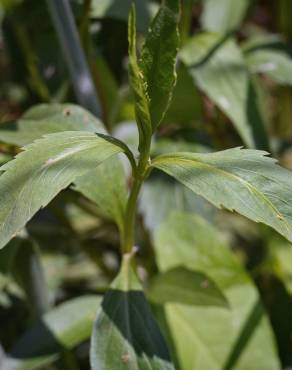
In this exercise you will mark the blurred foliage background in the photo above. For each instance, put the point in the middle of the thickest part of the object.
(234, 88)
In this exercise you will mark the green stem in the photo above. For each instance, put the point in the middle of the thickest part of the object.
(130, 216)
(186, 20)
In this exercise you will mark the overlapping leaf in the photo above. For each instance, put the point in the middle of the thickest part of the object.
(46, 167)
(181, 285)
(106, 187)
(125, 335)
(219, 69)
(214, 338)
(223, 15)
(120, 10)
(273, 62)
(60, 329)
(245, 181)
(46, 119)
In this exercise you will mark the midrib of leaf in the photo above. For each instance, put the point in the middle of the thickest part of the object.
(248, 185)
(39, 173)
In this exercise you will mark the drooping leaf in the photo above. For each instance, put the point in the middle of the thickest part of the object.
(38, 174)
(45, 119)
(125, 335)
(223, 15)
(171, 196)
(245, 181)
(61, 329)
(159, 59)
(21, 261)
(219, 69)
(106, 187)
(214, 338)
(181, 285)
(27, 270)
(137, 83)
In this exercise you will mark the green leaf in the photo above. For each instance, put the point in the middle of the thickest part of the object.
(218, 68)
(186, 104)
(223, 15)
(120, 10)
(27, 271)
(21, 261)
(46, 119)
(137, 84)
(38, 174)
(159, 58)
(106, 186)
(245, 181)
(275, 63)
(181, 285)
(171, 196)
(125, 335)
(61, 329)
(214, 338)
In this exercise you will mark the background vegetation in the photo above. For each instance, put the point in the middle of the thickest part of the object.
(233, 89)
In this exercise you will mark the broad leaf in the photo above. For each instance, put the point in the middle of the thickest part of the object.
(62, 328)
(159, 58)
(38, 174)
(181, 285)
(138, 86)
(223, 15)
(214, 338)
(46, 119)
(106, 187)
(125, 335)
(245, 181)
(218, 68)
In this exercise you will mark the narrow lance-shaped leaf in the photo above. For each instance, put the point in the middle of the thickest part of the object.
(125, 335)
(182, 285)
(42, 170)
(159, 59)
(61, 329)
(138, 84)
(245, 181)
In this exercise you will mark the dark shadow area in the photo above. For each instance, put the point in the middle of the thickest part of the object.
(255, 120)
(247, 331)
(130, 313)
(37, 342)
(278, 303)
